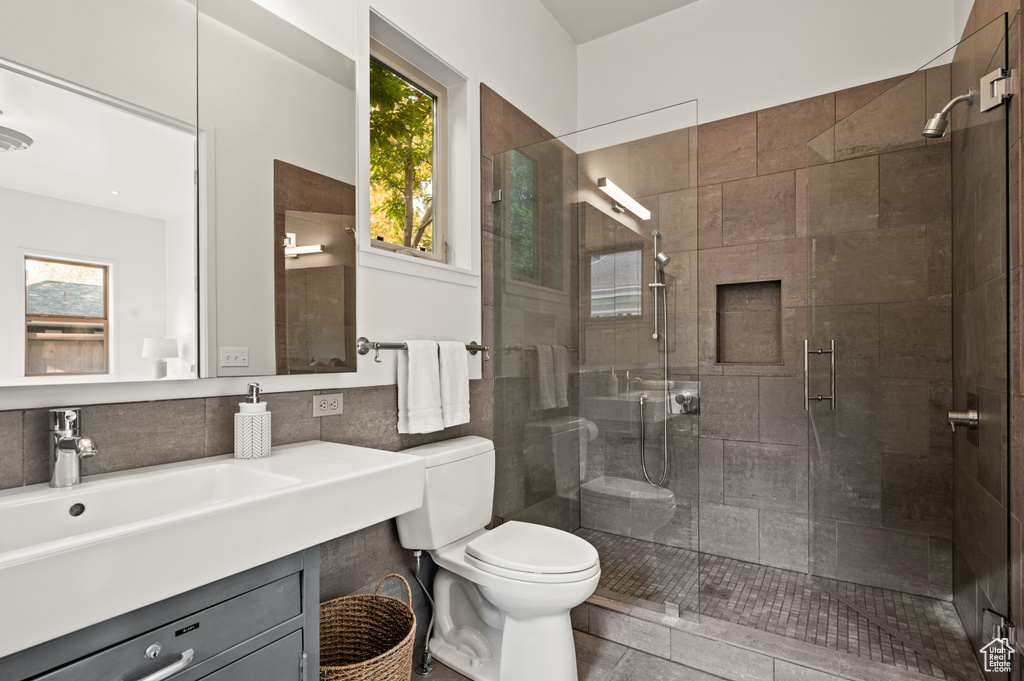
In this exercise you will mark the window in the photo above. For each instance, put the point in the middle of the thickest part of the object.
(66, 324)
(615, 286)
(525, 256)
(407, 157)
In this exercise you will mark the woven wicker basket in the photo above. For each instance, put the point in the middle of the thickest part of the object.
(367, 637)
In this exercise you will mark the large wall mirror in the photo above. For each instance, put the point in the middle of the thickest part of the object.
(97, 189)
(116, 265)
(277, 121)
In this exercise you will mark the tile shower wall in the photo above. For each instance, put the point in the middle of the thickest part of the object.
(882, 194)
(529, 299)
(878, 226)
(179, 430)
(982, 13)
(980, 305)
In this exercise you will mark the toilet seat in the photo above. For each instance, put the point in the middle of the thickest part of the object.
(533, 553)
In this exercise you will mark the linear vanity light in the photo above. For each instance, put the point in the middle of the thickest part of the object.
(624, 199)
(293, 251)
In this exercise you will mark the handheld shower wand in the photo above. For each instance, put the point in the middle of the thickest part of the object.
(660, 260)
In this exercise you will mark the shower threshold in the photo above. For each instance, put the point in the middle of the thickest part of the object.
(699, 592)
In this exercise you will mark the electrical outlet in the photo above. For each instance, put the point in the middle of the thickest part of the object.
(328, 405)
(234, 357)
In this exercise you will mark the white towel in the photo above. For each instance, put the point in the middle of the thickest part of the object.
(454, 382)
(419, 389)
(561, 370)
(544, 385)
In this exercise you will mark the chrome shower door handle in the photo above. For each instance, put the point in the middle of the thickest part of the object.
(807, 379)
(831, 352)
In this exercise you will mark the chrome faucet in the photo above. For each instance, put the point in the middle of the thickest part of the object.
(68, 447)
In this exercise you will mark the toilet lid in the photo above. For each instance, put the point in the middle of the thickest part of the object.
(525, 547)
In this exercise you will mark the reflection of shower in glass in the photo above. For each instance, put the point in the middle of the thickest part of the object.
(660, 260)
(936, 125)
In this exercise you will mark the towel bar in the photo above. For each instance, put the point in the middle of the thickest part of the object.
(364, 345)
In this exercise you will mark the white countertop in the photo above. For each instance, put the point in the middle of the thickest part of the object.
(57, 577)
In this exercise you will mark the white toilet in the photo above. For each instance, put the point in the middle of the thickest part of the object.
(501, 597)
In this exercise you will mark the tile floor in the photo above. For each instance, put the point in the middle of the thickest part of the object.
(784, 602)
(600, 660)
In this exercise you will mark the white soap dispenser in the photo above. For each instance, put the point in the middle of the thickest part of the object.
(252, 426)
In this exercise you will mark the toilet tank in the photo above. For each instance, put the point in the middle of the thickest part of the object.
(458, 493)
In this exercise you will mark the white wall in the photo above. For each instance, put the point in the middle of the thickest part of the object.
(131, 244)
(88, 42)
(180, 294)
(261, 106)
(961, 13)
(737, 56)
(518, 50)
(514, 47)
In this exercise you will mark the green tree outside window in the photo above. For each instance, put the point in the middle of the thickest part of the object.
(401, 160)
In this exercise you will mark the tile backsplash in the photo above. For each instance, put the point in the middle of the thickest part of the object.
(136, 434)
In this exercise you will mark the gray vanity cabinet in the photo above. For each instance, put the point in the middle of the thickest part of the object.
(259, 625)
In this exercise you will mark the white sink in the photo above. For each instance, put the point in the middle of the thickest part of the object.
(150, 533)
(33, 519)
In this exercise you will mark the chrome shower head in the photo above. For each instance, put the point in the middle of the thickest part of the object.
(662, 260)
(936, 125)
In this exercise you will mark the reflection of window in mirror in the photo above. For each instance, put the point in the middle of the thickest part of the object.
(407, 157)
(524, 218)
(615, 286)
(66, 324)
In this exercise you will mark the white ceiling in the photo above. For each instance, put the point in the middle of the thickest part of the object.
(84, 151)
(586, 20)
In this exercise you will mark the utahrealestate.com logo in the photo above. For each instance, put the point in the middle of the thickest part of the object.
(998, 655)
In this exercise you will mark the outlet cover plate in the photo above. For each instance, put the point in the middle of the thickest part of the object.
(328, 405)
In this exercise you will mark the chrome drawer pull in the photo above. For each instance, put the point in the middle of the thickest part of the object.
(172, 669)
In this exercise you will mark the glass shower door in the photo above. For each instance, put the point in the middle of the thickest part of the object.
(907, 275)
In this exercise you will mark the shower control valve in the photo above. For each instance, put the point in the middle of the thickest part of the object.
(685, 398)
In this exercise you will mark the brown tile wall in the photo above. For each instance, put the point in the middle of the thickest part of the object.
(974, 587)
(840, 198)
(980, 287)
(536, 449)
(136, 434)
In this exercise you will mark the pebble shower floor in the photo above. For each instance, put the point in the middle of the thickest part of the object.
(785, 602)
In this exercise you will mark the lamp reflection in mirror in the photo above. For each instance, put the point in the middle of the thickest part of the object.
(159, 349)
(623, 199)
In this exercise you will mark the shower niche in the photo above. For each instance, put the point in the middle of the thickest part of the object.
(748, 325)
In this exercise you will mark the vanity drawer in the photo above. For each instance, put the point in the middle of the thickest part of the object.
(206, 633)
(277, 662)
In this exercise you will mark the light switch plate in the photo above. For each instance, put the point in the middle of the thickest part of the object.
(234, 357)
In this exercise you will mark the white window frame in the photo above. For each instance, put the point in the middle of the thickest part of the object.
(439, 177)
(462, 180)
